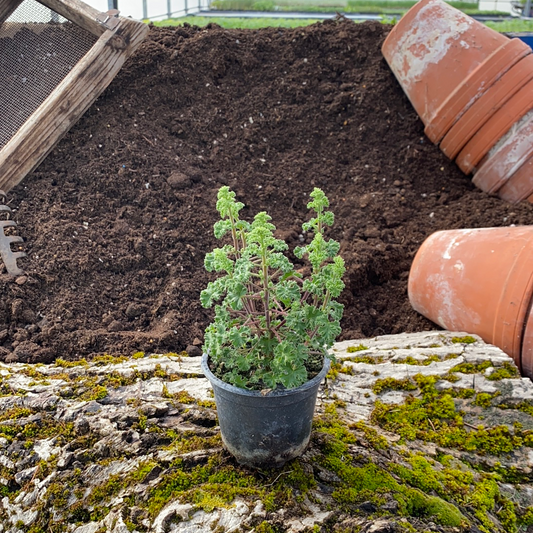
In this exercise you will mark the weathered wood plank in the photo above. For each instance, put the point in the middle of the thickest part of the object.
(78, 12)
(7, 7)
(71, 98)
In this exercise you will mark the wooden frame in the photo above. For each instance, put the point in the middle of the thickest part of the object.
(77, 12)
(7, 7)
(34, 140)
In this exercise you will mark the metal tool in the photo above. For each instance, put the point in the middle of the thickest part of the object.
(8, 256)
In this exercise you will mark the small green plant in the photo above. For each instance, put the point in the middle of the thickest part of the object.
(272, 326)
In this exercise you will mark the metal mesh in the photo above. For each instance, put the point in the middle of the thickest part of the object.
(38, 48)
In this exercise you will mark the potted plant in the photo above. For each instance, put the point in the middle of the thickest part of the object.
(265, 353)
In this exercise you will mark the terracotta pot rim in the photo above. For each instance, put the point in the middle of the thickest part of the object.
(474, 86)
(526, 351)
(494, 171)
(495, 128)
(511, 190)
(517, 295)
(480, 112)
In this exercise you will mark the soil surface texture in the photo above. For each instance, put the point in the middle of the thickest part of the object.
(118, 218)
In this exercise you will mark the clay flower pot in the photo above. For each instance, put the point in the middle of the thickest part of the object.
(474, 87)
(511, 152)
(495, 128)
(476, 280)
(527, 347)
(486, 105)
(434, 49)
(520, 185)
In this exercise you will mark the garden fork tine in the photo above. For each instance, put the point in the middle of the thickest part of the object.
(8, 256)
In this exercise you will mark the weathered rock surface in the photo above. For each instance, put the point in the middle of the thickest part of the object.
(427, 432)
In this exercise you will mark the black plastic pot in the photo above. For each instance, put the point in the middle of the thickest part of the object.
(265, 430)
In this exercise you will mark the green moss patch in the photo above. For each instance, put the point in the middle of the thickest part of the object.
(409, 360)
(358, 348)
(386, 384)
(463, 340)
(433, 417)
(19, 423)
(471, 368)
(370, 482)
(367, 359)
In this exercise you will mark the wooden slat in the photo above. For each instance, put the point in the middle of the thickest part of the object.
(7, 7)
(78, 12)
(67, 103)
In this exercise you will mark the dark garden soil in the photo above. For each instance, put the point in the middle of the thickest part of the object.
(118, 218)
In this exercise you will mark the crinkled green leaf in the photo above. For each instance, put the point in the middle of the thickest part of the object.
(332, 248)
(227, 206)
(220, 260)
(336, 310)
(310, 225)
(319, 200)
(235, 295)
(287, 292)
(333, 280)
(234, 378)
(239, 336)
(221, 228)
(242, 270)
(279, 261)
(299, 251)
(328, 218)
(290, 375)
(209, 261)
(213, 292)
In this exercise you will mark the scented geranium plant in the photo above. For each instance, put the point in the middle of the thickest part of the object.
(272, 325)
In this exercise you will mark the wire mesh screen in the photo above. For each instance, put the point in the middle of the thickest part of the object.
(38, 48)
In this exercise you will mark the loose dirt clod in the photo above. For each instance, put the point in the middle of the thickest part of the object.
(118, 218)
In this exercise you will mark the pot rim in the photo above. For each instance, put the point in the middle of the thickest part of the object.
(254, 393)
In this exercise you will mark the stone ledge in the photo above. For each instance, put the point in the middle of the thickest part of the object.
(133, 445)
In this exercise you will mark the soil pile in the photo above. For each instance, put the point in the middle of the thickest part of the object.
(118, 218)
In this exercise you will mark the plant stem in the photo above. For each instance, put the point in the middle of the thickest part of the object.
(327, 298)
(234, 235)
(265, 287)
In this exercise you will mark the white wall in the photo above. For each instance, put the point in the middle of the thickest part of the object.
(495, 5)
(155, 8)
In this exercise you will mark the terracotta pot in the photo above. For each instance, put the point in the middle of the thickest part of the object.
(433, 49)
(520, 185)
(495, 128)
(476, 280)
(511, 152)
(527, 347)
(486, 105)
(475, 86)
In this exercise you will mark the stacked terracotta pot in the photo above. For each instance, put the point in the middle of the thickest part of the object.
(479, 281)
(473, 89)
